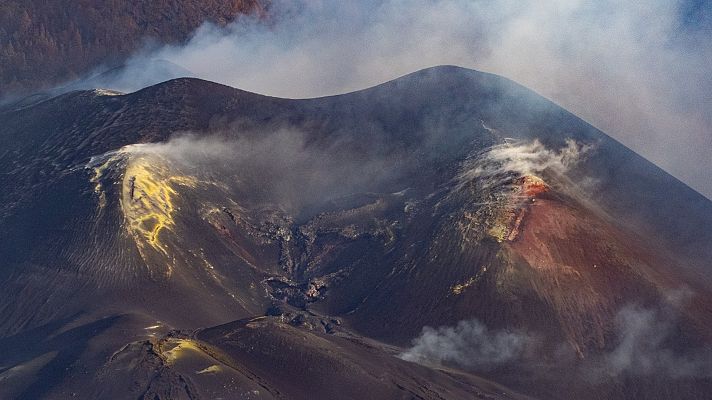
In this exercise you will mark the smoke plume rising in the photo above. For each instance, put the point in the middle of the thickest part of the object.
(468, 344)
(519, 158)
(289, 171)
(637, 70)
(641, 347)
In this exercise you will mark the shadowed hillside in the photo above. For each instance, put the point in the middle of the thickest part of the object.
(48, 42)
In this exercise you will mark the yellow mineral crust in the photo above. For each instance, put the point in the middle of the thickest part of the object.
(460, 287)
(96, 180)
(457, 289)
(508, 220)
(210, 370)
(178, 349)
(148, 200)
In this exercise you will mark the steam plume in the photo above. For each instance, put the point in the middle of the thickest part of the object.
(468, 344)
(637, 70)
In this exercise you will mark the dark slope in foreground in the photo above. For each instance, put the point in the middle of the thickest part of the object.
(443, 196)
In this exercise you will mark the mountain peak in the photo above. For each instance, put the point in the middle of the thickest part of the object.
(445, 207)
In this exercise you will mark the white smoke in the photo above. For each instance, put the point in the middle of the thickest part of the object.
(636, 70)
(529, 158)
(500, 163)
(633, 69)
(275, 166)
(468, 344)
(643, 349)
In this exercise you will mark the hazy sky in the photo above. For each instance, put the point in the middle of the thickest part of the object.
(637, 70)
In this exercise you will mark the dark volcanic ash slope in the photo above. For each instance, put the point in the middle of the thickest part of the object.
(318, 237)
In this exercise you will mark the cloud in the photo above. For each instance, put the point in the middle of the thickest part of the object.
(468, 344)
(637, 70)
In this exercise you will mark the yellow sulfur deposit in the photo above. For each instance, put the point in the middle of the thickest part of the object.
(460, 287)
(210, 370)
(507, 222)
(179, 349)
(150, 191)
(96, 180)
(148, 201)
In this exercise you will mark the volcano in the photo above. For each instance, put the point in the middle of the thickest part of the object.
(448, 234)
